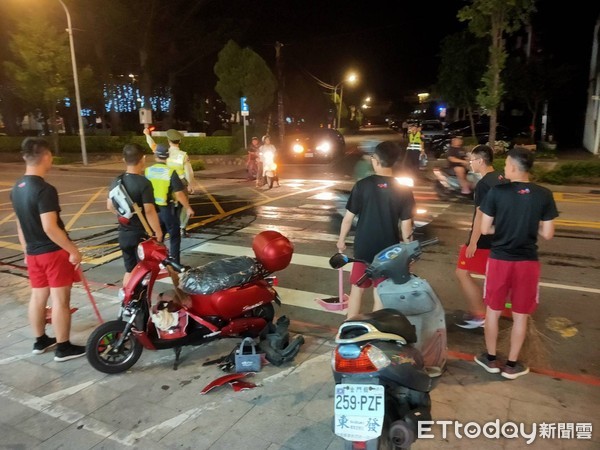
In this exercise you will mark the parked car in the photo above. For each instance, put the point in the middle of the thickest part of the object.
(319, 144)
(432, 129)
(439, 146)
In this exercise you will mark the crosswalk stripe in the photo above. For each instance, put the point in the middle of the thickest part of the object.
(321, 262)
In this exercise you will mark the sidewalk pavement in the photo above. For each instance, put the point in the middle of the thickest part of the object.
(69, 405)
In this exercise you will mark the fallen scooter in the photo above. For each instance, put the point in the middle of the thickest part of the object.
(228, 298)
(386, 362)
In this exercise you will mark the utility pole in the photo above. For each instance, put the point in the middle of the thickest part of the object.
(280, 85)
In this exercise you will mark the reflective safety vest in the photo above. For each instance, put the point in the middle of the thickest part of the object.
(414, 138)
(160, 177)
(414, 141)
(176, 160)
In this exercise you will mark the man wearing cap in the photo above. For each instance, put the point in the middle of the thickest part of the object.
(180, 162)
(133, 231)
(167, 185)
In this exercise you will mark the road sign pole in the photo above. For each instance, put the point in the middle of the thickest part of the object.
(245, 138)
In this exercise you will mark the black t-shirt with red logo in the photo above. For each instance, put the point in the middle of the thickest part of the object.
(31, 197)
(379, 202)
(517, 209)
(483, 186)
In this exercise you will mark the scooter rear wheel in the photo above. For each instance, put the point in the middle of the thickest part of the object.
(106, 359)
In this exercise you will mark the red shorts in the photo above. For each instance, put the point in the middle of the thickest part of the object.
(477, 263)
(51, 270)
(517, 280)
(358, 270)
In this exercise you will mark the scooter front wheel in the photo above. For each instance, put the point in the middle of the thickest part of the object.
(102, 353)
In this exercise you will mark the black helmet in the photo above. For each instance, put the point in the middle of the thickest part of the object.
(161, 151)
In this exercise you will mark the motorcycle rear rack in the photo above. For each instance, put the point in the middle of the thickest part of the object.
(366, 332)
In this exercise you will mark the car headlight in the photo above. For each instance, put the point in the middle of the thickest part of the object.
(140, 252)
(298, 148)
(324, 147)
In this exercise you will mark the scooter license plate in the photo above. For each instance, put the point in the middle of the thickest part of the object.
(309, 155)
(359, 410)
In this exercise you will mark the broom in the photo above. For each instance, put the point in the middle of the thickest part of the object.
(535, 351)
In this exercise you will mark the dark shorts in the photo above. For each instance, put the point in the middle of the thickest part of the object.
(514, 280)
(477, 263)
(128, 242)
(358, 270)
(51, 270)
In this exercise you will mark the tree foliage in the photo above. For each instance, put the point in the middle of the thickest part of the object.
(462, 63)
(243, 73)
(492, 19)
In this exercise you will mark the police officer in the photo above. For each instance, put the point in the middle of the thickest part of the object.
(180, 161)
(168, 189)
(415, 148)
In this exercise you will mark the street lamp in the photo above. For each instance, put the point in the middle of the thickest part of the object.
(76, 80)
(351, 79)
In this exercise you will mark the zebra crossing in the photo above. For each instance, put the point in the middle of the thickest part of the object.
(309, 222)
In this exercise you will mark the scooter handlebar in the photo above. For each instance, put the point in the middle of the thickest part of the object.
(429, 242)
(175, 265)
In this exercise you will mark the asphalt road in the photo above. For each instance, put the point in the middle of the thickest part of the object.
(230, 211)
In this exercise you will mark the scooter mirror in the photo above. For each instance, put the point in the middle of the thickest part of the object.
(338, 260)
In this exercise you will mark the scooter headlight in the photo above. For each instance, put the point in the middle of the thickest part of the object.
(140, 252)
(406, 181)
(298, 148)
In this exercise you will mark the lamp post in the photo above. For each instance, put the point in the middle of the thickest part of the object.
(76, 80)
(351, 79)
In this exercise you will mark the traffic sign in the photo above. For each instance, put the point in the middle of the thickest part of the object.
(244, 106)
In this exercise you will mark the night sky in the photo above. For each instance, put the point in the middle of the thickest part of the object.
(395, 46)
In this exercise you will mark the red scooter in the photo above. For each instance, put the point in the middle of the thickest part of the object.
(228, 298)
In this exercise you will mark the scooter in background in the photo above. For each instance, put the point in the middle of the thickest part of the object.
(387, 362)
(447, 185)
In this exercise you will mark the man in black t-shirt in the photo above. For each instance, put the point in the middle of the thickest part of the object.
(132, 231)
(380, 202)
(52, 258)
(459, 163)
(515, 213)
(474, 254)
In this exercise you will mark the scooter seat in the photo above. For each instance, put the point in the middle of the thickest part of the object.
(219, 275)
(390, 321)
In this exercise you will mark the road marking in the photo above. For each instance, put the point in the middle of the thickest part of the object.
(556, 286)
(64, 393)
(321, 262)
(254, 205)
(82, 209)
(212, 199)
(577, 223)
(70, 416)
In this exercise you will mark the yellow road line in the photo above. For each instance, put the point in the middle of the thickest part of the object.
(260, 203)
(577, 223)
(10, 245)
(212, 199)
(7, 218)
(82, 209)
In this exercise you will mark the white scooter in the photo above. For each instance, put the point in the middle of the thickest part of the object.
(386, 362)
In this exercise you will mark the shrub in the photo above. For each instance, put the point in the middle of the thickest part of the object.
(114, 144)
(197, 165)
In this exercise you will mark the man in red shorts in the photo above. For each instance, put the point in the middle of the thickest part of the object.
(474, 254)
(380, 203)
(515, 213)
(52, 258)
